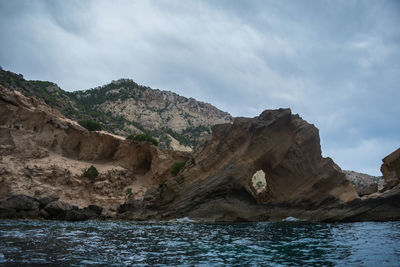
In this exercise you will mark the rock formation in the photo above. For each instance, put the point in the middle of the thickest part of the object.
(264, 168)
(391, 169)
(363, 183)
(43, 156)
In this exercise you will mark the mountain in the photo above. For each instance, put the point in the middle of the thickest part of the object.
(126, 108)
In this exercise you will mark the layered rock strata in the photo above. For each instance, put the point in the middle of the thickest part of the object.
(264, 168)
(44, 154)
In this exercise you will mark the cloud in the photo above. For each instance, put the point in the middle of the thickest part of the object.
(363, 155)
(334, 63)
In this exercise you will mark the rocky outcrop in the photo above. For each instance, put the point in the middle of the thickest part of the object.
(266, 168)
(391, 169)
(43, 156)
(253, 164)
(364, 183)
(156, 109)
(22, 207)
(19, 206)
(368, 190)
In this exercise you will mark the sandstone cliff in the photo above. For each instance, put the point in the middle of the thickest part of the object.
(44, 154)
(266, 168)
(391, 169)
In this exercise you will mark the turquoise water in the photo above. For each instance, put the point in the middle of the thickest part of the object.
(187, 244)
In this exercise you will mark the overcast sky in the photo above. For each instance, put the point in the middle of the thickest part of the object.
(336, 63)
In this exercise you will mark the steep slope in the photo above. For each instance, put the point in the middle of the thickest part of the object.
(123, 107)
(160, 112)
(43, 155)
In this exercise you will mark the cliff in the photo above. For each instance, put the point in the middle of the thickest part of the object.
(44, 155)
(248, 167)
(391, 169)
(264, 168)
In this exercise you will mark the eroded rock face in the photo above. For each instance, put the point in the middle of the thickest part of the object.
(283, 149)
(391, 169)
(43, 156)
(265, 168)
(370, 189)
(361, 181)
(258, 182)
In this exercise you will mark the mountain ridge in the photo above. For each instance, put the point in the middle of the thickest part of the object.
(126, 108)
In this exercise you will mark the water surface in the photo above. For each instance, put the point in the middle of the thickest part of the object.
(180, 243)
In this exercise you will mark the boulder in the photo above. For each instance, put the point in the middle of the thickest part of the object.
(44, 197)
(368, 190)
(19, 206)
(130, 205)
(58, 209)
(61, 210)
(75, 215)
(92, 211)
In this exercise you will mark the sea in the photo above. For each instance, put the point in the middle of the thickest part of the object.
(187, 243)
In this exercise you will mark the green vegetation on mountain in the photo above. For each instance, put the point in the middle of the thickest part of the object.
(90, 125)
(177, 167)
(126, 108)
(48, 91)
(143, 138)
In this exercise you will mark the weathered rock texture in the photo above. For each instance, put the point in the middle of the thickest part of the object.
(391, 169)
(363, 183)
(217, 184)
(43, 156)
(155, 109)
(265, 168)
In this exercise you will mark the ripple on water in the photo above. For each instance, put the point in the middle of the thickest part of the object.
(186, 243)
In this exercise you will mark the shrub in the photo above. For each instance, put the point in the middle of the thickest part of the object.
(260, 184)
(91, 173)
(129, 191)
(143, 138)
(90, 125)
(177, 167)
(162, 183)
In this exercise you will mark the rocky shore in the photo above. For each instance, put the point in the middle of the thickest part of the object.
(265, 168)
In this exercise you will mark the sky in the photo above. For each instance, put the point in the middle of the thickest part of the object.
(335, 63)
